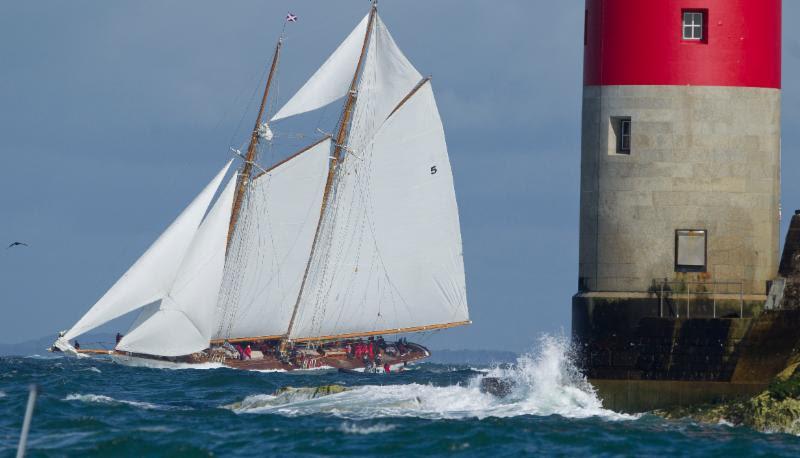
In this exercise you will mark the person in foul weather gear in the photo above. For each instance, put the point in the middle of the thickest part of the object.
(77, 345)
(119, 337)
(387, 368)
(248, 353)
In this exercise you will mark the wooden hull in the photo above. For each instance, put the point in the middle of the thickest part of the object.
(305, 360)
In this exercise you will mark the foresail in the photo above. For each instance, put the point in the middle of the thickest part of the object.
(392, 254)
(151, 275)
(270, 247)
(332, 80)
(186, 318)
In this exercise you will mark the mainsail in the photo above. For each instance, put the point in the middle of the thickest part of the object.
(149, 278)
(270, 245)
(187, 318)
(393, 258)
(388, 255)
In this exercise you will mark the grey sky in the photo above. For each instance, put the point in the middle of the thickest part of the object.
(113, 115)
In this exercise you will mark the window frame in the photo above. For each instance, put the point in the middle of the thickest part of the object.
(702, 26)
(622, 148)
(691, 268)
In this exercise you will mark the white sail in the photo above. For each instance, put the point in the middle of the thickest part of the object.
(144, 314)
(391, 256)
(332, 80)
(386, 78)
(151, 275)
(271, 246)
(186, 318)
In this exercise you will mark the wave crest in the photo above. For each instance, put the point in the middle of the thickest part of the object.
(101, 399)
(546, 382)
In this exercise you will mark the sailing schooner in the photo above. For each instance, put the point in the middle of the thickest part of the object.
(354, 237)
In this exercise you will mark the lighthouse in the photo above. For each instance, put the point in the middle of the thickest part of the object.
(680, 177)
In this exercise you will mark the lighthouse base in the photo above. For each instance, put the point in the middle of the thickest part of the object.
(640, 359)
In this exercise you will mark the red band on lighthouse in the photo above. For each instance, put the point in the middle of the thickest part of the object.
(645, 42)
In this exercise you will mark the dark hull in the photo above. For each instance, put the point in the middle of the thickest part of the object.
(304, 359)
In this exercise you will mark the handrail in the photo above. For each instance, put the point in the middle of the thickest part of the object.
(665, 289)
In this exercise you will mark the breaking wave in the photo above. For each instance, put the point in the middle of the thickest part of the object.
(546, 382)
(100, 399)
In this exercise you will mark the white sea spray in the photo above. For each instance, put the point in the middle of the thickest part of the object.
(546, 382)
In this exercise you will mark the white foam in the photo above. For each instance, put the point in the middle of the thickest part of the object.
(2, 394)
(101, 399)
(134, 361)
(546, 383)
(352, 428)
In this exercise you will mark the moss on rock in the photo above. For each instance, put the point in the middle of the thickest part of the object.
(777, 409)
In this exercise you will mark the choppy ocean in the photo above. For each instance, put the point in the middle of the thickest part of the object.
(94, 407)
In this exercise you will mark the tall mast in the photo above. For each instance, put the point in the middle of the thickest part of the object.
(341, 138)
(252, 149)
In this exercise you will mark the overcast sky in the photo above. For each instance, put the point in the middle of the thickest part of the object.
(113, 115)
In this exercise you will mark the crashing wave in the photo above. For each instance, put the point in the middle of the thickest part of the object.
(545, 382)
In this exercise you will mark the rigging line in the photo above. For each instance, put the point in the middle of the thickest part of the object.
(341, 138)
(261, 76)
(306, 219)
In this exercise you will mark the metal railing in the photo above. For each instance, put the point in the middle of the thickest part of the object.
(666, 291)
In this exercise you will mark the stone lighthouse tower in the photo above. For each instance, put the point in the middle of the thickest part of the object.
(680, 162)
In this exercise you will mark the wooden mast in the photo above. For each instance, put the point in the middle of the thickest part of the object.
(341, 138)
(252, 149)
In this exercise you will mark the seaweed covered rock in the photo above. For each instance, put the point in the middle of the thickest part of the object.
(286, 395)
(311, 392)
(776, 409)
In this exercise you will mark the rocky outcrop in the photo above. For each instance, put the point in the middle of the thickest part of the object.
(776, 409)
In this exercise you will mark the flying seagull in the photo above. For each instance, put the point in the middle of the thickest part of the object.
(16, 244)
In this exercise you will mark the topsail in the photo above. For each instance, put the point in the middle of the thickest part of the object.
(331, 81)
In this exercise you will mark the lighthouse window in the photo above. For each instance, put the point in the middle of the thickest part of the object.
(691, 250)
(620, 135)
(693, 25)
(624, 146)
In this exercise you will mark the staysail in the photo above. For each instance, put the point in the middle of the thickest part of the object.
(331, 81)
(186, 318)
(270, 246)
(389, 254)
(148, 279)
